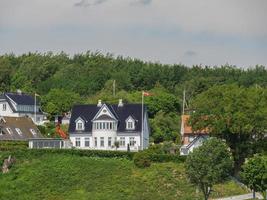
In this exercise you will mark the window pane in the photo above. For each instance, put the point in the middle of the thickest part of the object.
(109, 141)
(95, 141)
(86, 142)
(102, 141)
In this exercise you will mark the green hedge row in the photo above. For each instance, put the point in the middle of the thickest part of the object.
(13, 145)
(29, 153)
(166, 158)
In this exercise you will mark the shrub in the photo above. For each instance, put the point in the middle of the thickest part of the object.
(142, 159)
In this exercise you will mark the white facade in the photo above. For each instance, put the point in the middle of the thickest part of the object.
(6, 110)
(79, 141)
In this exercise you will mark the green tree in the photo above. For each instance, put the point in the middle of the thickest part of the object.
(236, 114)
(58, 101)
(254, 174)
(165, 127)
(209, 164)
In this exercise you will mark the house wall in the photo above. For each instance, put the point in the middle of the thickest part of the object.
(8, 112)
(106, 147)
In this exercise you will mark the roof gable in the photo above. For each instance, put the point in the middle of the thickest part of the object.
(104, 110)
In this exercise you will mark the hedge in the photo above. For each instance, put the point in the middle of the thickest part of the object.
(167, 158)
(87, 153)
(13, 145)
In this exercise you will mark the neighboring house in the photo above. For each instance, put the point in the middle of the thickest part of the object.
(101, 126)
(18, 128)
(20, 104)
(190, 139)
(63, 119)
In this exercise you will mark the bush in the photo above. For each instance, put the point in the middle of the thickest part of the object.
(142, 159)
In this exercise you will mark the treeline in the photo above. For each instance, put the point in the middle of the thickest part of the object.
(62, 80)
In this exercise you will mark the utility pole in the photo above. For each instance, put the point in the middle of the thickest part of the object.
(114, 88)
(183, 101)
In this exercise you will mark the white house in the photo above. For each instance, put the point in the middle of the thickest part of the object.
(101, 126)
(19, 105)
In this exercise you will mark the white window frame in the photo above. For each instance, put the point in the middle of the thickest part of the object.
(122, 141)
(18, 131)
(80, 125)
(102, 141)
(9, 130)
(95, 141)
(77, 142)
(132, 141)
(33, 131)
(87, 141)
(130, 123)
(109, 141)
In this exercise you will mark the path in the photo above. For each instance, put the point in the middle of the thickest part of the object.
(241, 197)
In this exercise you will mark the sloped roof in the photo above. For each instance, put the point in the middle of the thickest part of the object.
(188, 129)
(21, 99)
(24, 124)
(121, 112)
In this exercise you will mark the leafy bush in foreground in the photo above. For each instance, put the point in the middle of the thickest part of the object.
(142, 159)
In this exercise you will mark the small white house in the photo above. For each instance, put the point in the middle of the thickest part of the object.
(20, 105)
(102, 126)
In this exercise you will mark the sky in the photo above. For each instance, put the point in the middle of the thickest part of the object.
(190, 32)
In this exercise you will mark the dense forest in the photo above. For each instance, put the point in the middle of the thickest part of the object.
(62, 80)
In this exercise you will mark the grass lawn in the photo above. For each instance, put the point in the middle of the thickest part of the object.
(58, 177)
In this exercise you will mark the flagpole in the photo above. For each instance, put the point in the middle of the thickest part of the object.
(142, 131)
(35, 108)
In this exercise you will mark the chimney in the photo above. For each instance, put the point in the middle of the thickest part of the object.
(120, 103)
(99, 104)
(19, 91)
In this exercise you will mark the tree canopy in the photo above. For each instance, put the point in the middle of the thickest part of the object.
(254, 173)
(234, 113)
(209, 164)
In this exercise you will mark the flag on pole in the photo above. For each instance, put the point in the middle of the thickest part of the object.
(146, 94)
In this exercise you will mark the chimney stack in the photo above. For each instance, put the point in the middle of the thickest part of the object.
(99, 104)
(120, 103)
(19, 91)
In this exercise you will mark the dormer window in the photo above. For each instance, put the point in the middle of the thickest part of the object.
(79, 124)
(18, 131)
(130, 123)
(33, 131)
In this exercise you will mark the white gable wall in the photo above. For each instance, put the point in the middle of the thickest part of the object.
(8, 112)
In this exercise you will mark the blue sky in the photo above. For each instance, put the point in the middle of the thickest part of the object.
(207, 32)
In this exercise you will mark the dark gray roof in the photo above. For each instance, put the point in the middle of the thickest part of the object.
(88, 112)
(21, 99)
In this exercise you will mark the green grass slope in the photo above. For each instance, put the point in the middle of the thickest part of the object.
(58, 177)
